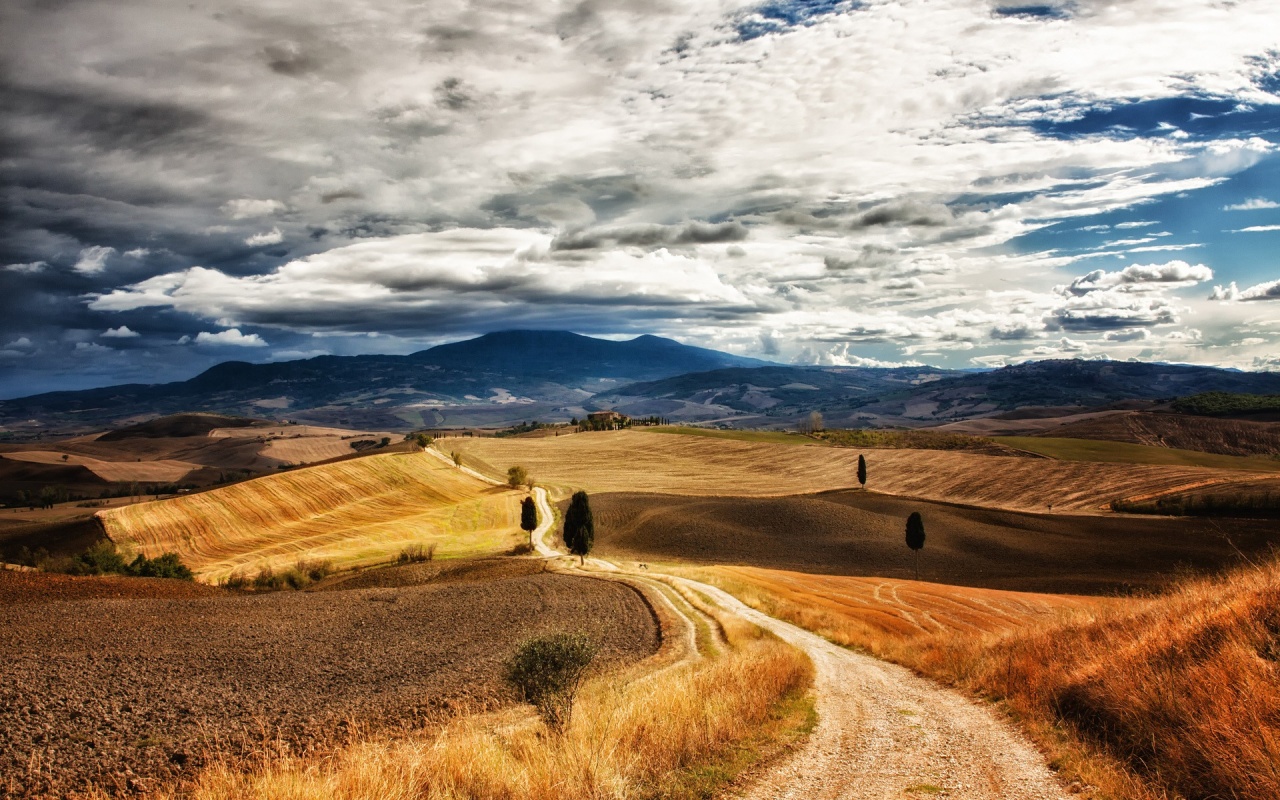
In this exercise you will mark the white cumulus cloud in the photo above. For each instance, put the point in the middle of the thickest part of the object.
(121, 332)
(93, 260)
(273, 236)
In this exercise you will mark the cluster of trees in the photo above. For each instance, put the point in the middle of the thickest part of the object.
(524, 427)
(104, 559)
(1221, 403)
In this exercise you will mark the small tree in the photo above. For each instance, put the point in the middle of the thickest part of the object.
(517, 477)
(422, 440)
(915, 537)
(579, 527)
(529, 517)
(547, 671)
(457, 458)
(862, 471)
(815, 421)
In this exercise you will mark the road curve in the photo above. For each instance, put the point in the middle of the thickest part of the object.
(884, 732)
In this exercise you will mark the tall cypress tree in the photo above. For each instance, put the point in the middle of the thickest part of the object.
(529, 517)
(579, 527)
(862, 470)
(915, 537)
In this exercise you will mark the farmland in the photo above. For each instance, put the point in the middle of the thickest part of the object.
(855, 533)
(353, 512)
(638, 461)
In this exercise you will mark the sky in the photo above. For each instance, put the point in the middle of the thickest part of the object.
(960, 183)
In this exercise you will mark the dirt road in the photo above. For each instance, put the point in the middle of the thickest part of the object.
(883, 732)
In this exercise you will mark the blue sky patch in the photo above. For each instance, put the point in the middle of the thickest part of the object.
(781, 15)
(1041, 11)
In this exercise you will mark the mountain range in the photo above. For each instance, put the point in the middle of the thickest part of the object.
(512, 376)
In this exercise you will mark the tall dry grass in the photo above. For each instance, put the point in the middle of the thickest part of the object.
(1175, 696)
(672, 734)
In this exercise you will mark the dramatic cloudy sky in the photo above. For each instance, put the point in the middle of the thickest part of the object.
(963, 183)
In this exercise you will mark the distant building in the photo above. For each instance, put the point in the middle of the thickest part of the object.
(606, 420)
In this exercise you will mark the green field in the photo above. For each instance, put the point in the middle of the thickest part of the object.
(775, 437)
(1126, 453)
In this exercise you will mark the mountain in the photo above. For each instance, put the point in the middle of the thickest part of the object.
(495, 379)
(862, 397)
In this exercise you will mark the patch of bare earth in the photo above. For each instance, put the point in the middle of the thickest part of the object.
(127, 693)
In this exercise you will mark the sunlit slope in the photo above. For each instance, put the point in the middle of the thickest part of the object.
(835, 605)
(636, 461)
(353, 512)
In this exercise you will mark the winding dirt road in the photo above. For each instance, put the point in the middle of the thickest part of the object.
(882, 731)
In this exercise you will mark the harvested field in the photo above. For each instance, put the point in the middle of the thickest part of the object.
(163, 471)
(353, 512)
(1205, 434)
(859, 533)
(92, 687)
(308, 449)
(637, 461)
(894, 608)
(1127, 453)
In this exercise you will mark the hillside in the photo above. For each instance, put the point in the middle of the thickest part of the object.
(857, 533)
(639, 461)
(352, 512)
(861, 397)
(1205, 434)
(495, 379)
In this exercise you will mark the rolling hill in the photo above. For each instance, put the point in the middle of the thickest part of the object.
(353, 512)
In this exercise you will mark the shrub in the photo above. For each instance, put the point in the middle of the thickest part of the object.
(517, 477)
(236, 580)
(167, 565)
(417, 553)
(100, 559)
(547, 671)
(267, 579)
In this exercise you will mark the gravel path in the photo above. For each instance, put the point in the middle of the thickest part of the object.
(883, 732)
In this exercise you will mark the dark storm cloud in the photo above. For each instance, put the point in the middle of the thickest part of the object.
(651, 235)
(906, 214)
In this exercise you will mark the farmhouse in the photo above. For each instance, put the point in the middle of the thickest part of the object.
(606, 420)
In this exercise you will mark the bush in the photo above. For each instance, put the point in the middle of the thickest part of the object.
(547, 671)
(236, 580)
(417, 553)
(517, 477)
(104, 559)
(267, 579)
(167, 565)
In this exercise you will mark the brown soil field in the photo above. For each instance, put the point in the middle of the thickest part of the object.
(901, 608)
(856, 533)
(636, 461)
(354, 512)
(132, 693)
(1209, 435)
(158, 471)
(62, 536)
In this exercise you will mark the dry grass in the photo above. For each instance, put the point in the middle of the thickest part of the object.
(164, 471)
(638, 461)
(1176, 696)
(682, 732)
(307, 449)
(354, 512)
(1206, 434)
(853, 611)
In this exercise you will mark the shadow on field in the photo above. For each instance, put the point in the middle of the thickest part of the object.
(860, 533)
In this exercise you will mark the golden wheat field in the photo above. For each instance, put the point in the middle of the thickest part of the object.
(353, 512)
(307, 449)
(163, 471)
(638, 461)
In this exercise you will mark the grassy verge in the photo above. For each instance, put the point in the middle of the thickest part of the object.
(1166, 697)
(1127, 453)
(683, 732)
(774, 437)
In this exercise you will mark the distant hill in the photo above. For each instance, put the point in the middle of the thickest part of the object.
(179, 425)
(861, 397)
(497, 379)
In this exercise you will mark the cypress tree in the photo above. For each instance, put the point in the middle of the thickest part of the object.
(915, 537)
(529, 516)
(862, 471)
(579, 527)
